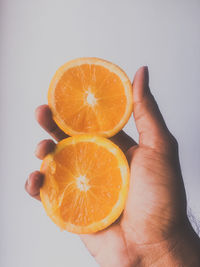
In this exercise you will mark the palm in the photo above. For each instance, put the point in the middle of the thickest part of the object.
(157, 208)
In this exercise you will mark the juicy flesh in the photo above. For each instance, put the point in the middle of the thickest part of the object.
(84, 181)
(89, 98)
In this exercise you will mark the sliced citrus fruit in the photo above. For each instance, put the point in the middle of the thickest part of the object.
(86, 183)
(90, 95)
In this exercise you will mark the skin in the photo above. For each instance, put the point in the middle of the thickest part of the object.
(153, 229)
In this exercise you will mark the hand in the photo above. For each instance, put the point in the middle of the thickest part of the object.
(154, 229)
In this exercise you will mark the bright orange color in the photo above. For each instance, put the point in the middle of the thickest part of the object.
(90, 95)
(86, 183)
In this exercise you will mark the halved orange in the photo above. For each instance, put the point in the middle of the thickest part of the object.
(86, 183)
(90, 95)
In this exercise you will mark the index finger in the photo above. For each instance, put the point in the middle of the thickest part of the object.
(44, 117)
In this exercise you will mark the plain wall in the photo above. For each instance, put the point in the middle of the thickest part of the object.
(39, 36)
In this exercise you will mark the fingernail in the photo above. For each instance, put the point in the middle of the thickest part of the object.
(146, 74)
(28, 181)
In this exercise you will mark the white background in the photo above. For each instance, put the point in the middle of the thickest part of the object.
(39, 36)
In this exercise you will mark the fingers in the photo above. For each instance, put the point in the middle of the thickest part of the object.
(152, 129)
(33, 184)
(35, 180)
(44, 117)
(123, 141)
(44, 147)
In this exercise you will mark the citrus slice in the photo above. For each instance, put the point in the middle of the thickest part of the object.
(86, 183)
(90, 95)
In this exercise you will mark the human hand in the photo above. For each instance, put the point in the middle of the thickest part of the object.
(153, 229)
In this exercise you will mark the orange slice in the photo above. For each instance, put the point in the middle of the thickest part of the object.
(86, 183)
(90, 95)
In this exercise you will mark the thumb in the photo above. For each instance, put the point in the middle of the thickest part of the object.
(150, 124)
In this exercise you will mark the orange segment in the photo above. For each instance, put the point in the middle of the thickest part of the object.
(90, 95)
(86, 183)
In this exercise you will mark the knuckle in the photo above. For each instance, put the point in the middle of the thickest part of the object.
(172, 143)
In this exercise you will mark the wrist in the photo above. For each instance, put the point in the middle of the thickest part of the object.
(181, 249)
